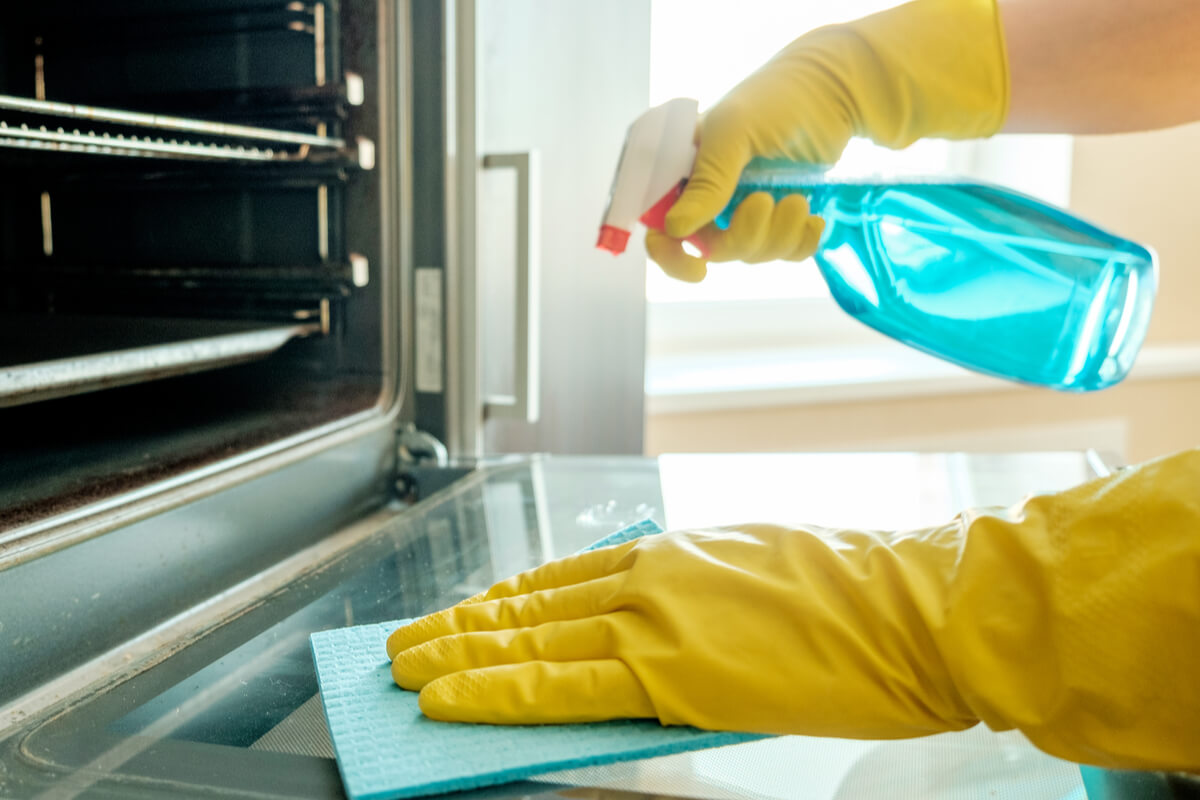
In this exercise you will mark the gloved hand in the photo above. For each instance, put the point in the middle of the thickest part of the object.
(1073, 618)
(930, 68)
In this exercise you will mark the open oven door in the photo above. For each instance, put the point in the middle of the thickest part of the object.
(221, 699)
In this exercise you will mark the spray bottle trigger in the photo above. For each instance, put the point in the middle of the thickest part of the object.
(656, 216)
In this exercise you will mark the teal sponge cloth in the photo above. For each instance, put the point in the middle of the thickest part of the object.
(387, 749)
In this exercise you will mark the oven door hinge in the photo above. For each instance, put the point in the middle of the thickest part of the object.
(415, 446)
(422, 464)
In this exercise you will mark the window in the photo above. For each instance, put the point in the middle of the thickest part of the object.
(701, 49)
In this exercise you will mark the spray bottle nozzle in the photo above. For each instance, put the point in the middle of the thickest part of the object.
(612, 239)
(654, 165)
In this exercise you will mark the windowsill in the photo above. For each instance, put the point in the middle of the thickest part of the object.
(812, 375)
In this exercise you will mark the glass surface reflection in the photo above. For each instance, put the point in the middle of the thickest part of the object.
(236, 711)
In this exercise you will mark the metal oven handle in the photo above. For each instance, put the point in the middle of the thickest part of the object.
(523, 405)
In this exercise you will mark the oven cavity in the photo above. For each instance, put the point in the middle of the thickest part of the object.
(189, 237)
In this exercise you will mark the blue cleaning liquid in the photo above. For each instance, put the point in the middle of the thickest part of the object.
(985, 277)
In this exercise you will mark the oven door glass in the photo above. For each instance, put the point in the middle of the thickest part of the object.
(236, 712)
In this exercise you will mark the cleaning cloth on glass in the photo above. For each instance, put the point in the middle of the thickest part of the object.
(387, 749)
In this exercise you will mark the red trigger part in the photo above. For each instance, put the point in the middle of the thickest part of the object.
(656, 217)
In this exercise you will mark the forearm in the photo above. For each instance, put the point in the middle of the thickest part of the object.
(1075, 620)
(1101, 66)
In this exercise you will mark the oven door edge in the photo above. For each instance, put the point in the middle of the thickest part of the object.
(63, 600)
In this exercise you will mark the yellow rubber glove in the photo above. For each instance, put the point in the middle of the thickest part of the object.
(1075, 618)
(930, 68)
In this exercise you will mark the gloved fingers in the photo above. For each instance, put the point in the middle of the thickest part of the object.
(810, 241)
(760, 230)
(670, 256)
(538, 692)
(568, 570)
(788, 225)
(571, 640)
(576, 601)
(747, 231)
(579, 568)
(723, 152)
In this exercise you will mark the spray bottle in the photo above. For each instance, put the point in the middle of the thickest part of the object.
(985, 277)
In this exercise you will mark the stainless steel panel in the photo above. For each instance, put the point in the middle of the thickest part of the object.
(564, 79)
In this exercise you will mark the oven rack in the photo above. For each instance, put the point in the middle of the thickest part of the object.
(115, 132)
(311, 105)
(97, 28)
(270, 295)
(41, 360)
(325, 279)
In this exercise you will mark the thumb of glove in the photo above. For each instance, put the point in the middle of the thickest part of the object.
(720, 159)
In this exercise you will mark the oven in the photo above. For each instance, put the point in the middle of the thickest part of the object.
(199, 251)
(272, 274)
(271, 258)
(200, 279)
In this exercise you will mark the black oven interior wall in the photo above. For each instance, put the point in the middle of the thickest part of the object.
(175, 291)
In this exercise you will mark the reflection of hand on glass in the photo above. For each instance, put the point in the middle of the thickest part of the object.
(613, 514)
(1073, 619)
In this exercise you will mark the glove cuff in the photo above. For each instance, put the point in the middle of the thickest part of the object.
(926, 69)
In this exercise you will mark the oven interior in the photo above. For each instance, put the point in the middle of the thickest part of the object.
(191, 237)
